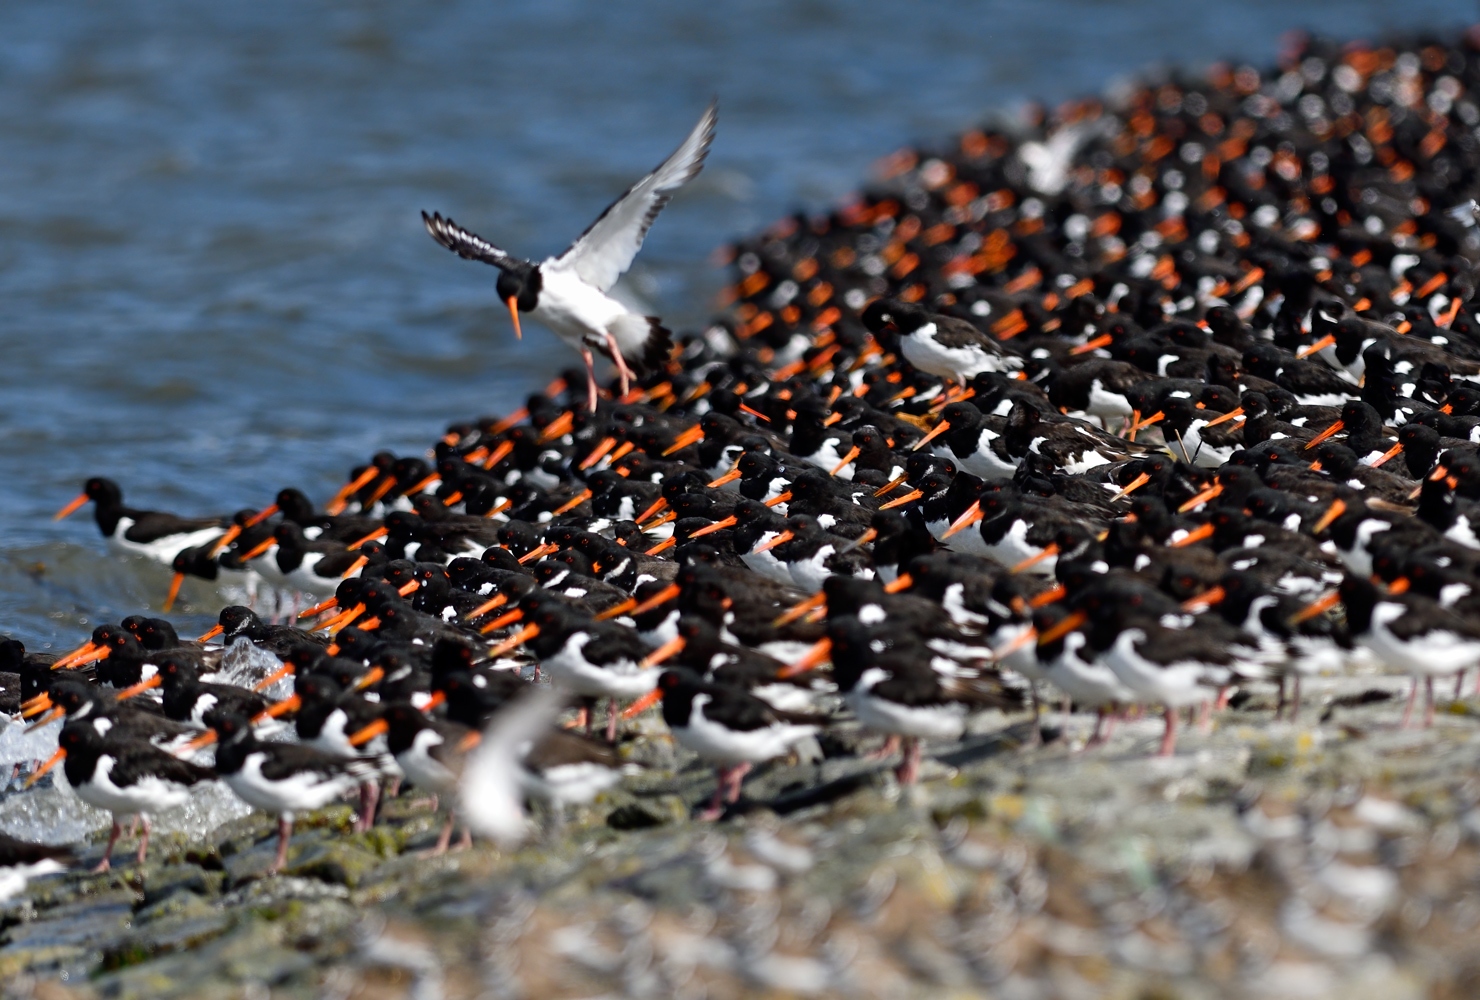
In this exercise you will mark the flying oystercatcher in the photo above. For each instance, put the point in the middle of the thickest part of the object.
(568, 293)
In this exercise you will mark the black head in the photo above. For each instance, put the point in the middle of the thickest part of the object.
(521, 281)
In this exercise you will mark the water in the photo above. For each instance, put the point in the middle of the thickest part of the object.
(213, 274)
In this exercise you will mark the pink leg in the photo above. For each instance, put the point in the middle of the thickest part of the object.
(1428, 702)
(623, 372)
(909, 768)
(1295, 706)
(889, 749)
(369, 798)
(144, 840)
(611, 721)
(736, 776)
(1169, 738)
(1224, 693)
(716, 807)
(113, 836)
(1279, 710)
(590, 379)
(393, 788)
(1205, 715)
(1459, 685)
(1412, 700)
(285, 834)
(446, 836)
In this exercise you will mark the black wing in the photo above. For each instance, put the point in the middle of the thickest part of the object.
(463, 243)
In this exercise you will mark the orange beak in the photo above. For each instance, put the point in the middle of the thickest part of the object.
(692, 435)
(1051, 549)
(258, 550)
(559, 427)
(1337, 508)
(408, 588)
(372, 677)
(616, 610)
(1398, 586)
(340, 620)
(1225, 417)
(381, 490)
(813, 658)
(1316, 607)
(971, 515)
(289, 704)
(148, 684)
(1069, 623)
(513, 303)
(1202, 498)
(709, 529)
(1194, 536)
(262, 515)
(368, 624)
(663, 596)
(889, 487)
(1327, 341)
(68, 659)
(902, 582)
(1132, 486)
(853, 453)
(175, 582)
(782, 538)
(51, 762)
(761, 416)
(507, 618)
(901, 501)
(437, 698)
(670, 648)
(52, 716)
(1206, 599)
(782, 498)
(341, 499)
(205, 739)
(36, 705)
(1390, 453)
(319, 608)
(496, 601)
(516, 640)
(572, 503)
(935, 432)
(379, 532)
(728, 477)
(355, 567)
(643, 704)
(365, 735)
(1056, 593)
(606, 444)
(429, 480)
(1335, 428)
(77, 501)
(1024, 637)
(828, 420)
(658, 505)
(539, 552)
(1156, 417)
(272, 678)
(214, 631)
(1103, 340)
(797, 610)
(498, 454)
(663, 546)
(226, 539)
(93, 655)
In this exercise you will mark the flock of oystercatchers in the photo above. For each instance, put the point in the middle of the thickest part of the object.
(1116, 404)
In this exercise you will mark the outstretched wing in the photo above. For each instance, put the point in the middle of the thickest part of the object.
(463, 243)
(489, 795)
(605, 250)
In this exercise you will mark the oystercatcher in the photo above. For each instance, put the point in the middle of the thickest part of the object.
(728, 727)
(126, 776)
(940, 345)
(21, 861)
(569, 293)
(281, 778)
(154, 534)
